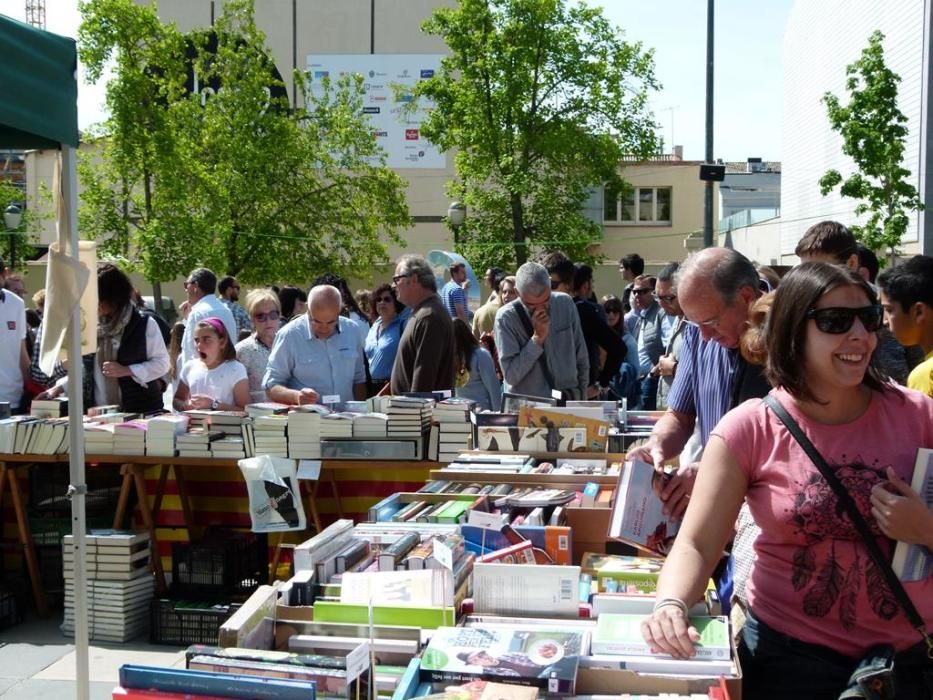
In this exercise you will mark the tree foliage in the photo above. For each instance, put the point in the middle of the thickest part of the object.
(235, 180)
(874, 134)
(540, 101)
(29, 226)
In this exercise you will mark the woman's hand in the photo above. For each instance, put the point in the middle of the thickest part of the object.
(50, 393)
(901, 513)
(115, 370)
(667, 631)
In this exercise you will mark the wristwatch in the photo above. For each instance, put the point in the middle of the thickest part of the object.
(215, 404)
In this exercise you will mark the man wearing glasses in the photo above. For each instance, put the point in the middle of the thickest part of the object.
(200, 287)
(229, 290)
(648, 338)
(425, 358)
(541, 344)
(318, 358)
(716, 288)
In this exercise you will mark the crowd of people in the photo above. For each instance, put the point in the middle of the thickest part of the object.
(734, 355)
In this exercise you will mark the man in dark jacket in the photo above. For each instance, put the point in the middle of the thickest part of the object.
(596, 331)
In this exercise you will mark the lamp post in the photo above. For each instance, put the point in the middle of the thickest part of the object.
(456, 216)
(12, 217)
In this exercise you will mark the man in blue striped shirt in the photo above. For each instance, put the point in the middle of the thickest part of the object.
(716, 288)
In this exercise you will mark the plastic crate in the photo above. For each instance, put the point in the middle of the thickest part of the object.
(223, 564)
(10, 611)
(181, 623)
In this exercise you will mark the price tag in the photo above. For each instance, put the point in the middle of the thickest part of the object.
(488, 520)
(443, 554)
(357, 661)
(557, 394)
(330, 398)
(309, 469)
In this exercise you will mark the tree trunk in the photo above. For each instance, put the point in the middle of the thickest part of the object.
(157, 298)
(518, 230)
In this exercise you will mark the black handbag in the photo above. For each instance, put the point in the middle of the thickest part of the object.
(875, 674)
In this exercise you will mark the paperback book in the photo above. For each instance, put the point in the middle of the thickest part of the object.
(638, 513)
(539, 657)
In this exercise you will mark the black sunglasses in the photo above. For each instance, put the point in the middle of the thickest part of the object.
(639, 292)
(839, 319)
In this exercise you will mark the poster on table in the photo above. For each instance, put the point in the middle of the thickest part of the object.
(386, 99)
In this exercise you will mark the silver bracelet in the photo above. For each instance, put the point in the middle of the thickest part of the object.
(676, 602)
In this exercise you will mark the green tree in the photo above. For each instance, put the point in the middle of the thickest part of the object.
(242, 183)
(874, 134)
(540, 102)
(29, 226)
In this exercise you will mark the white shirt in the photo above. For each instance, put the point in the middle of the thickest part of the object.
(12, 335)
(218, 383)
(156, 365)
(208, 306)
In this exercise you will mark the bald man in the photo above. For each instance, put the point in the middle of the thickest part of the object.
(318, 358)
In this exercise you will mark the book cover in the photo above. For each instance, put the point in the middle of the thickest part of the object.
(638, 513)
(625, 574)
(621, 634)
(504, 590)
(914, 562)
(597, 431)
(539, 657)
(205, 683)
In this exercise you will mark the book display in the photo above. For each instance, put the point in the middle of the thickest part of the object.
(489, 579)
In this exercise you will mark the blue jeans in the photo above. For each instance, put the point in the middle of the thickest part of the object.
(649, 393)
(775, 666)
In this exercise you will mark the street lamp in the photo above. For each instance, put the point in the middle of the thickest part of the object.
(456, 217)
(12, 216)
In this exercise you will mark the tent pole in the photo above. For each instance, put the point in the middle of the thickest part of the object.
(77, 488)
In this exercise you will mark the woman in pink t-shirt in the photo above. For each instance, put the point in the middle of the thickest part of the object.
(817, 602)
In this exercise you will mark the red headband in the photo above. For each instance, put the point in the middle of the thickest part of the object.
(217, 325)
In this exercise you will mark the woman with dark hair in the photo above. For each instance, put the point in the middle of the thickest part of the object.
(475, 373)
(818, 603)
(383, 337)
(131, 358)
(625, 384)
(293, 302)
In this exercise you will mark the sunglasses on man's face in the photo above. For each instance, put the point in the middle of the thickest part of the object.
(639, 292)
(839, 319)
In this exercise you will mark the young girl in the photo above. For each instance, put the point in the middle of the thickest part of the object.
(213, 380)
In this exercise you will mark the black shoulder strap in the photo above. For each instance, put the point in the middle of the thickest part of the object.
(529, 329)
(894, 584)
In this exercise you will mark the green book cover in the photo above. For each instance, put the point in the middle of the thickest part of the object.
(454, 511)
(425, 617)
(618, 633)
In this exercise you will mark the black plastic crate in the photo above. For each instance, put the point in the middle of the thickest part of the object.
(181, 623)
(223, 564)
(10, 611)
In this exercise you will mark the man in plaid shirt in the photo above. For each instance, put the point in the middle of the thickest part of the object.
(229, 290)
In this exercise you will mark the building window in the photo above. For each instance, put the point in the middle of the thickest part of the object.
(641, 205)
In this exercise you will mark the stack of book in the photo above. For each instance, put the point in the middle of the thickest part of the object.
(197, 442)
(455, 431)
(44, 436)
(129, 438)
(266, 408)
(98, 438)
(304, 431)
(161, 434)
(228, 422)
(228, 447)
(119, 584)
(269, 435)
(49, 408)
(370, 425)
(337, 425)
(409, 417)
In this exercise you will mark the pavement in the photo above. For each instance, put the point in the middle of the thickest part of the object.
(37, 661)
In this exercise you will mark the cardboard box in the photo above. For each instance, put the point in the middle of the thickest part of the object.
(589, 529)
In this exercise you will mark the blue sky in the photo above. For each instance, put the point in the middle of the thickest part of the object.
(748, 81)
(748, 71)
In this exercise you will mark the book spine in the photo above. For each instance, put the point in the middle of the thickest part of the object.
(224, 685)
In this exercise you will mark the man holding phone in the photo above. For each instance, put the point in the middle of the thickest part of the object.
(541, 345)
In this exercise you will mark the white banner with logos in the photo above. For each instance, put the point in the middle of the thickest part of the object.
(397, 132)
